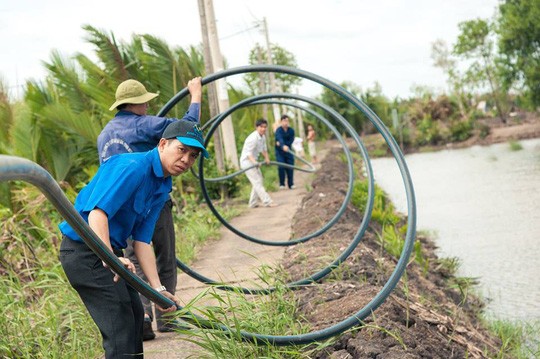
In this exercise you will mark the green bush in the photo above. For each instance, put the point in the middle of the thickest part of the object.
(428, 132)
(460, 130)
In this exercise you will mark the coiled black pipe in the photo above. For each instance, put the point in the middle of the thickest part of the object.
(14, 168)
(348, 195)
(357, 238)
(381, 296)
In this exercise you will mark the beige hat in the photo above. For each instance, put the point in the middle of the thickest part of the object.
(132, 91)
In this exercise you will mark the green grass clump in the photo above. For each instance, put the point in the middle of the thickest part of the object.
(201, 226)
(41, 316)
(515, 146)
(519, 340)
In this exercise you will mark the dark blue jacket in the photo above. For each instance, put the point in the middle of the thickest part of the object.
(284, 138)
(129, 132)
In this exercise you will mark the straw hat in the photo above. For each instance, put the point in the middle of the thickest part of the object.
(132, 91)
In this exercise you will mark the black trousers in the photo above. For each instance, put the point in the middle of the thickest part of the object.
(285, 157)
(115, 307)
(164, 243)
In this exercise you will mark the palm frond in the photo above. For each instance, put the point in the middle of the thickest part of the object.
(80, 125)
(67, 81)
(108, 52)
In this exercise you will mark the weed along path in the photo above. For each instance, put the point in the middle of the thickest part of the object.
(234, 260)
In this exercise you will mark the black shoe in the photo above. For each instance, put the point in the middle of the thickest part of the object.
(172, 326)
(148, 333)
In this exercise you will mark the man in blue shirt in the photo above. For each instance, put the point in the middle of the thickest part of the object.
(133, 130)
(284, 139)
(123, 200)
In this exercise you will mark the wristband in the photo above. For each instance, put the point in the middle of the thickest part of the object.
(160, 289)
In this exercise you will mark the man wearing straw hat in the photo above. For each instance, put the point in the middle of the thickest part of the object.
(133, 130)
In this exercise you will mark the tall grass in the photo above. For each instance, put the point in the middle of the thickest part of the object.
(195, 225)
(41, 316)
(519, 340)
(515, 146)
(272, 314)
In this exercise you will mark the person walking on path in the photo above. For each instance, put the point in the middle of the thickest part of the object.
(284, 139)
(123, 200)
(132, 130)
(298, 147)
(311, 135)
(254, 145)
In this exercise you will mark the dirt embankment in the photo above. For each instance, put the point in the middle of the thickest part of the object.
(422, 318)
(524, 127)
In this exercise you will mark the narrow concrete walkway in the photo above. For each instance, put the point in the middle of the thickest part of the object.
(234, 260)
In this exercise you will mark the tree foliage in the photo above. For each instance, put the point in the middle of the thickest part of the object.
(443, 58)
(280, 56)
(62, 115)
(518, 27)
(372, 97)
(475, 42)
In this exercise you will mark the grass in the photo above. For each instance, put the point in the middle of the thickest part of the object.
(519, 340)
(53, 325)
(272, 314)
(41, 316)
(515, 146)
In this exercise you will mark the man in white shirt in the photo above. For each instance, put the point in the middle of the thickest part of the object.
(254, 145)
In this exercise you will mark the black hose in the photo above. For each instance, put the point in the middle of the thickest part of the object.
(394, 278)
(14, 168)
(344, 255)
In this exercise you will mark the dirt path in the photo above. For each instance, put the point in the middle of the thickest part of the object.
(234, 259)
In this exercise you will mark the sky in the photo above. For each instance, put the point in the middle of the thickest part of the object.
(384, 41)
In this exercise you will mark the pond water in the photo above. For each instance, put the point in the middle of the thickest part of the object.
(483, 204)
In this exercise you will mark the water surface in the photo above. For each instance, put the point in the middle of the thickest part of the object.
(483, 204)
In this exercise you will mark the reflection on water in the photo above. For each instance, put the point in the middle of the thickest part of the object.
(483, 203)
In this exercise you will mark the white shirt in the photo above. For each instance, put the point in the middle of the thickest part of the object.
(297, 144)
(254, 145)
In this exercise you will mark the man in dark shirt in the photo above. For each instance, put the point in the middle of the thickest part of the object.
(284, 139)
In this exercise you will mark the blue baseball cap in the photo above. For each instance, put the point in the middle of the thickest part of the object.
(186, 132)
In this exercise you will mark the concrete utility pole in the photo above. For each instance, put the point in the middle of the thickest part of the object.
(214, 63)
(300, 120)
(271, 75)
(212, 94)
(262, 82)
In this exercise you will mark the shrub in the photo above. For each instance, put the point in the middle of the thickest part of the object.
(460, 130)
(428, 132)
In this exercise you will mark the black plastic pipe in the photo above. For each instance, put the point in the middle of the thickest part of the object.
(14, 168)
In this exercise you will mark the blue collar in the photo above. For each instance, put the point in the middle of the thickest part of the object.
(125, 113)
(156, 163)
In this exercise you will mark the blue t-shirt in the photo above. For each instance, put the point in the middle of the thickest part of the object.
(131, 189)
(129, 132)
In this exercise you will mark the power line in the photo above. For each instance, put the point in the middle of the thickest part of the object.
(240, 32)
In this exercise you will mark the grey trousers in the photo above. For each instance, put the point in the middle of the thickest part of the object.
(164, 243)
(115, 307)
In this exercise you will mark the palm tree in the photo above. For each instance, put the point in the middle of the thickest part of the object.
(67, 111)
